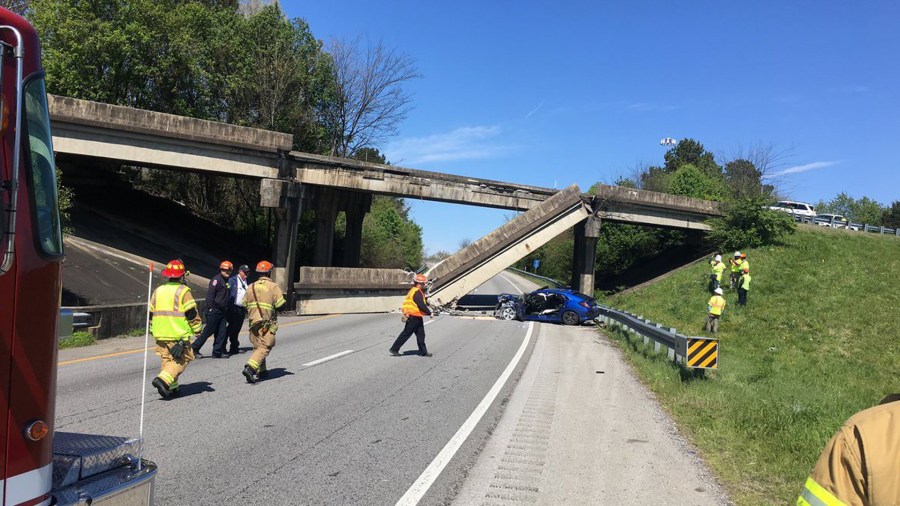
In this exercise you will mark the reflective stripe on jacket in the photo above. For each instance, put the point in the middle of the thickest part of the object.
(410, 308)
(262, 299)
(716, 305)
(859, 465)
(169, 304)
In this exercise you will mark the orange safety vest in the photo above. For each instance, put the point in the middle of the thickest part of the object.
(410, 308)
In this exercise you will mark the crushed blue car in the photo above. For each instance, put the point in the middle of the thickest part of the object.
(556, 305)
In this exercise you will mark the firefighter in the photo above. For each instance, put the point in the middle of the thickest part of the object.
(859, 464)
(715, 277)
(735, 264)
(714, 309)
(175, 321)
(262, 300)
(217, 296)
(414, 309)
(743, 286)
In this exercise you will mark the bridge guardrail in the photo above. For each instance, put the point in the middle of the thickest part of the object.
(550, 280)
(856, 227)
(694, 352)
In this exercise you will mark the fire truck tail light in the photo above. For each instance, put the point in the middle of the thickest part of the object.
(4, 116)
(37, 430)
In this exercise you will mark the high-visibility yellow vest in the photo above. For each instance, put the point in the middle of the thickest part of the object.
(744, 282)
(168, 305)
(745, 265)
(718, 268)
(735, 264)
(410, 308)
(716, 305)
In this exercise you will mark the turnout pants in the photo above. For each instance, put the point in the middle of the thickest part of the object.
(172, 368)
(215, 324)
(414, 325)
(263, 340)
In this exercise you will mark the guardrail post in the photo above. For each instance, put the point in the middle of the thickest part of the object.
(882, 230)
(671, 354)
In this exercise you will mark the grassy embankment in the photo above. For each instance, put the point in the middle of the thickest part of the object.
(818, 341)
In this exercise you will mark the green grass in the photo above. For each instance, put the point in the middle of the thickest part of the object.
(817, 342)
(77, 339)
(135, 332)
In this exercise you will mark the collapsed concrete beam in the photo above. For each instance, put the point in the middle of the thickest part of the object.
(470, 267)
(330, 290)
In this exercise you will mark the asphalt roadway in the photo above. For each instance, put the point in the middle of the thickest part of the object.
(340, 421)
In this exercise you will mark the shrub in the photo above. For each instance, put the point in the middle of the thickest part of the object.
(749, 223)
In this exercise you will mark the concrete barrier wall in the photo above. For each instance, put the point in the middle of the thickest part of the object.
(115, 320)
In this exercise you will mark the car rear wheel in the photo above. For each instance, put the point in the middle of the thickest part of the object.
(571, 318)
(508, 313)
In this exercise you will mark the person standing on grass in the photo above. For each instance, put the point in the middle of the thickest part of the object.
(715, 277)
(735, 264)
(414, 309)
(743, 286)
(714, 309)
(861, 463)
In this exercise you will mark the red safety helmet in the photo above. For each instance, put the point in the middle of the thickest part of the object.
(174, 269)
(420, 278)
(226, 266)
(264, 267)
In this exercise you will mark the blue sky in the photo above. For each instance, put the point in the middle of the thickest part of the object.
(556, 93)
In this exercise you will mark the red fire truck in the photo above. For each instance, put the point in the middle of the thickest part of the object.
(40, 465)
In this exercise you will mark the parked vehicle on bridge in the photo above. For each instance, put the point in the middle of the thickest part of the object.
(40, 465)
(795, 208)
(557, 305)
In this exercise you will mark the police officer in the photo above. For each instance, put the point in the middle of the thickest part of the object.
(236, 310)
(174, 321)
(216, 312)
(859, 465)
(414, 309)
(262, 301)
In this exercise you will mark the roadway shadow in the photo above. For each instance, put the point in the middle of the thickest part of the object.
(276, 373)
(410, 353)
(198, 387)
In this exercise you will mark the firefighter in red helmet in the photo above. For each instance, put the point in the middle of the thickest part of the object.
(175, 321)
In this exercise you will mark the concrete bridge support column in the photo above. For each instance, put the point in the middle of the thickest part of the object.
(585, 255)
(326, 212)
(286, 198)
(357, 207)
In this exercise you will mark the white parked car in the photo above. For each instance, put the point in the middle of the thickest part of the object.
(834, 221)
(795, 208)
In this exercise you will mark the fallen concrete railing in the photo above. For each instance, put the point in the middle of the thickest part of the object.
(692, 352)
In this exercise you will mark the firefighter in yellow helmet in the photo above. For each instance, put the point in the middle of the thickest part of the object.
(175, 321)
(262, 300)
(860, 465)
(414, 309)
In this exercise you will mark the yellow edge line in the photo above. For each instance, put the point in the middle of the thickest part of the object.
(129, 352)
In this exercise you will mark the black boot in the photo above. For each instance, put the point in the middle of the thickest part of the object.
(161, 387)
(250, 374)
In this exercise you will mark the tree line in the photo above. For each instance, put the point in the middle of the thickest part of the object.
(242, 62)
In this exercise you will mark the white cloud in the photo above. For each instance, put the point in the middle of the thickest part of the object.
(535, 109)
(466, 143)
(806, 167)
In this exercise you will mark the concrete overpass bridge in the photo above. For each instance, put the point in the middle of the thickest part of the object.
(291, 182)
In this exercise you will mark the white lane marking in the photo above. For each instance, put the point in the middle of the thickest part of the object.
(426, 479)
(326, 359)
(513, 284)
(29, 485)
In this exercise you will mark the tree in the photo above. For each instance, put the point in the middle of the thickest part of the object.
(864, 210)
(20, 7)
(891, 215)
(689, 151)
(690, 181)
(369, 101)
(745, 180)
(390, 239)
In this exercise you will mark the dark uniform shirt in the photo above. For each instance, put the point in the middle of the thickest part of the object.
(218, 293)
(419, 299)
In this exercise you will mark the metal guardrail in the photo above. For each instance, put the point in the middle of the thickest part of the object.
(849, 225)
(549, 280)
(694, 352)
(82, 320)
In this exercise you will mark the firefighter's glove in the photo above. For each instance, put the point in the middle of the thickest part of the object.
(177, 351)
